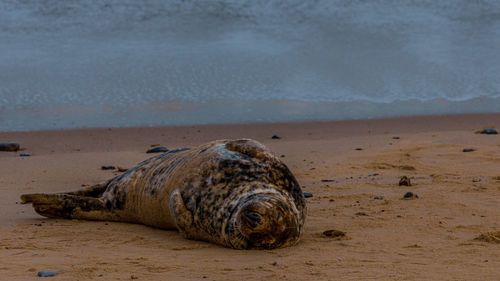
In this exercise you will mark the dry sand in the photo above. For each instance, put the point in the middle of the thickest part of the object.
(429, 238)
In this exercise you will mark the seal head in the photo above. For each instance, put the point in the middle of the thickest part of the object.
(264, 219)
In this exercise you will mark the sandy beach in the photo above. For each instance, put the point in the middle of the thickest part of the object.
(352, 168)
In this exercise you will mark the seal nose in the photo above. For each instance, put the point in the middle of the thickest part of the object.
(252, 218)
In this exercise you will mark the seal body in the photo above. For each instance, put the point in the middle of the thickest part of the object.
(234, 193)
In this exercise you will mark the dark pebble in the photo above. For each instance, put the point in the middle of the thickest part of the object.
(9, 146)
(327, 180)
(404, 180)
(359, 148)
(307, 195)
(476, 180)
(395, 138)
(410, 194)
(334, 233)
(108, 167)
(373, 175)
(25, 155)
(468, 150)
(48, 273)
(378, 198)
(158, 149)
(489, 131)
(276, 137)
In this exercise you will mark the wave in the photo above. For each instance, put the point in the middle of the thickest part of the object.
(55, 15)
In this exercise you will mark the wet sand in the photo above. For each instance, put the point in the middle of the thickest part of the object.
(431, 237)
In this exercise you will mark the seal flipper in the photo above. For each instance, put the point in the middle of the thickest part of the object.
(92, 191)
(81, 204)
(68, 206)
(178, 210)
(249, 147)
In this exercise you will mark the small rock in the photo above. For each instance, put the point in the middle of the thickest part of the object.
(468, 150)
(327, 180)
(133, 277)
(25, 154)
(334, 233)
(276, 137)
(410, 194)
(361, 214)
(9, 146)
(395, 138)
(307, 194)
(359, 148)
(108, 167)
(404, 180)
(373, 175)
(47, 273)
(378, 198)
(489, 131)
(476, 180)
(282, 155)
(158, 149)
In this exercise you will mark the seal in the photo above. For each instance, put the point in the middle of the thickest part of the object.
(234, 193)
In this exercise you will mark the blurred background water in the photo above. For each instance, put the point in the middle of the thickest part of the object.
(116, 63)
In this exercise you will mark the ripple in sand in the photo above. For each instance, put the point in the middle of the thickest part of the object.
(490, 237)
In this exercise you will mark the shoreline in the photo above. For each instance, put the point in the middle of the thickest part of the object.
(431, 237)
(467, 117)
(235, 112)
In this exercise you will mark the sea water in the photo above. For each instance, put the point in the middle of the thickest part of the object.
(118, 63)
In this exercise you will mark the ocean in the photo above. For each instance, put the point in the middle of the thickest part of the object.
(122, 63)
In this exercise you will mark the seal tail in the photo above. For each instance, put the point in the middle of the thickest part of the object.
(82, 204)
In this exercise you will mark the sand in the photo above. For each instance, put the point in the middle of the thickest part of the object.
(450, 232)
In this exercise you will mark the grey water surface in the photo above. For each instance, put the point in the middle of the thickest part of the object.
(119, 63)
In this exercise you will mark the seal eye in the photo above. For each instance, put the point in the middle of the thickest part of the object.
(252, 218)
